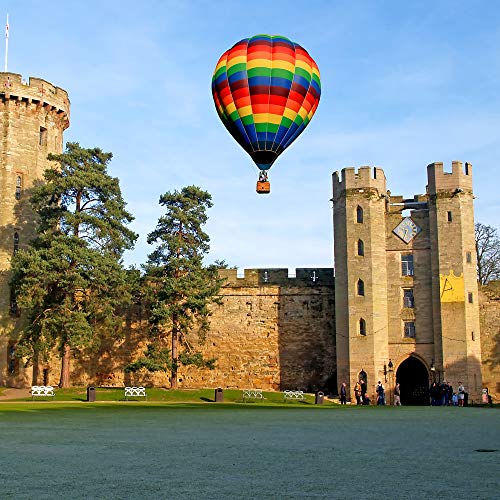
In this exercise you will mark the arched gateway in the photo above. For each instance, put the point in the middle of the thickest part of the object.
(413, 378)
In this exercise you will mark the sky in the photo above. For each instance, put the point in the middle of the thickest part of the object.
(404, 84)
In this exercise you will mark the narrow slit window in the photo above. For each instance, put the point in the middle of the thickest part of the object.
(42, 141)
(19, 186)
(361, 288)
(359, 215)
(468, 257)
(450, 216)
(361, 248)
(362, 327)
(16, 242)
(471, 297)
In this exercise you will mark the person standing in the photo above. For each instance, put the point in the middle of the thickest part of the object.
(343, 394)
(397, 395)
(357, 393)
(461, 394)
(363, 393)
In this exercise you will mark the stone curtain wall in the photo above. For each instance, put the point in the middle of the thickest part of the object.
(270, 332)
(489, 311)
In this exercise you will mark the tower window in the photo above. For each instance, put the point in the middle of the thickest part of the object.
(472, 336)
(450, 216)
(359, 215)
(361, 287)
(42, 141)
(16, 242)
(471, 297)
(19, 186)
(362, 327)
(409, 330)
(361, 248)
(408, 298)
(468, 257)
(407, 265)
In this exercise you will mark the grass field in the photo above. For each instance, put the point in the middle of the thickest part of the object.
(191, 450)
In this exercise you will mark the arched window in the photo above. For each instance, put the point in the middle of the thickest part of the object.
(359, 215)
(362, 327)
(361, 287)
(361, 248)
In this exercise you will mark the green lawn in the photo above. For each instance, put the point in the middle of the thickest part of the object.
(191, 450)
(171, 396)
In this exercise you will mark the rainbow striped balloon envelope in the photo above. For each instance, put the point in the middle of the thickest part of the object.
(266, 90)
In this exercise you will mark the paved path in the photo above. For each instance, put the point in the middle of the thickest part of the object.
(11, 393)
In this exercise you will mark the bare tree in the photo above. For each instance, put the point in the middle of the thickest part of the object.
(488, 253)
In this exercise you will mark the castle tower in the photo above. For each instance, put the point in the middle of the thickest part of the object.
(359, 206)
(33, 117)
(454, 279)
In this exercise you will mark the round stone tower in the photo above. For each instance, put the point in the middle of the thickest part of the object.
(33, 117)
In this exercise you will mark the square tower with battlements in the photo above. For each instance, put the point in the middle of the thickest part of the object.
(406, 294)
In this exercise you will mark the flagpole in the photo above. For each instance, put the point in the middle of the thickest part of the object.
(6, 42)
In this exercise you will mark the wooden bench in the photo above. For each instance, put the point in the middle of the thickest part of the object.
(294, 396)
(252, 394)
(42, 391)
(135, 392)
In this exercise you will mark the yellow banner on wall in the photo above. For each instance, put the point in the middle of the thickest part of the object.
(451, 287)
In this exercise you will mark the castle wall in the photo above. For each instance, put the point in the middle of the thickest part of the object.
(270, 332)
(489, 309)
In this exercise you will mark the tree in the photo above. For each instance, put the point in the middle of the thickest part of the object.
(71, 279)
(180, 287)
(488, 253)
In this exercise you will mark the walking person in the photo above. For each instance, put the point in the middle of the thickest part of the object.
(397, 395)
(380, 394)
(343, 394)
(461, 394)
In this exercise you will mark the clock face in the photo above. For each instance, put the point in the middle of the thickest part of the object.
(406, 230)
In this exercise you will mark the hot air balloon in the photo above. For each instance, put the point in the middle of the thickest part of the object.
(266, 90)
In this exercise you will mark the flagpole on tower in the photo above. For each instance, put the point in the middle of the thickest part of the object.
(6, 42)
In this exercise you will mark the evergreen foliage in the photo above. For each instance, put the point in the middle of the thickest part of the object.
(179, 287)
(71, 279)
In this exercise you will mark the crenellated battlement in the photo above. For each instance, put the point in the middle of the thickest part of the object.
(36, 92)
(364, 177)
(313, 276)
(460, 177)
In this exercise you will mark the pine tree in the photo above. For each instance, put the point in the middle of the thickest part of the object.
(71, 279)
(180, 287)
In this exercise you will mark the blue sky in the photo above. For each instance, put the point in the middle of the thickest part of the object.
(403, 84)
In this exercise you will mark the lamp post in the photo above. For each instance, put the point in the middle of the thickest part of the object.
(391, 373)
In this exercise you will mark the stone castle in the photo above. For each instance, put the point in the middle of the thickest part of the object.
(404, 304)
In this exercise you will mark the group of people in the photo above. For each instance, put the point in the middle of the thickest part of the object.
(360, 393)
(443, 394)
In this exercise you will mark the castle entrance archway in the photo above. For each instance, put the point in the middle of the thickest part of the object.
(413, 379)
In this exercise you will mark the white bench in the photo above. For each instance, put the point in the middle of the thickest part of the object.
(135, 392)
(252, 394)
(42, 391)
(293, 395)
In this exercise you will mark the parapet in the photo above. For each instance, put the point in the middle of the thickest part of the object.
(313, 276)
(362, 179)
(36, 91)
(460, 177)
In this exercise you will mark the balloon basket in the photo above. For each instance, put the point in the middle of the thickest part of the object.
(263, 187)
